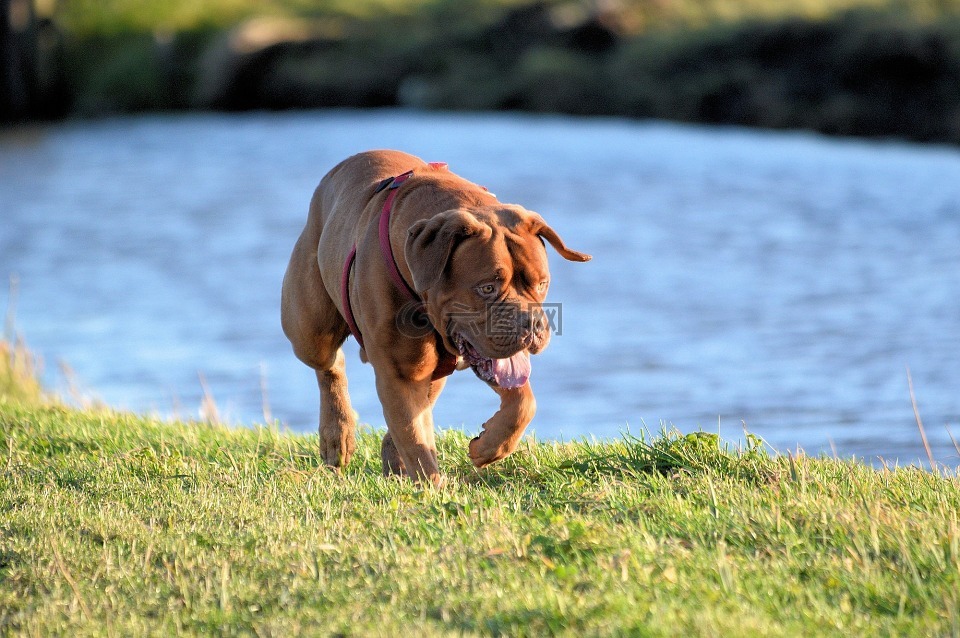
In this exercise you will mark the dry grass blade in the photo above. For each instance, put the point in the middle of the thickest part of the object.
(61, 566)
(208, 406)
(265, 398)
(956, 446)
(916, 413)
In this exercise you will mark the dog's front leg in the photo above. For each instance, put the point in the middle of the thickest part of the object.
(389, 455)
(407, 408)
(502, 432)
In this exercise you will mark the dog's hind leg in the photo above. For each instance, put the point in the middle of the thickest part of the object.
(316, 330)
(390, 457)
(338, 438)
(337, 423)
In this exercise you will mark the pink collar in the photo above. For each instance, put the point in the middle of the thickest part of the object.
(386, 248)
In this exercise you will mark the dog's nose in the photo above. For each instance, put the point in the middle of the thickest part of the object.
(535, 330)
(536, 323)
(539, 322)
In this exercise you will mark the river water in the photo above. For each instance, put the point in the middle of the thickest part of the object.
(778, 282)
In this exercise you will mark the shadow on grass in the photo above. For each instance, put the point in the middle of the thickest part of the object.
(630, 458)
(673, 453)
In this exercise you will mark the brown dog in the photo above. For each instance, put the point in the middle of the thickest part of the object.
(429, 271)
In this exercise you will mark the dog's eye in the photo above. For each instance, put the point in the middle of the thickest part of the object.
(486, 289)
(542, 286)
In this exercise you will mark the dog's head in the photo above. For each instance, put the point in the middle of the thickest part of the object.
(483, 276)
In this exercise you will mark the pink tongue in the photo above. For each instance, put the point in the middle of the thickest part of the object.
(513, 372)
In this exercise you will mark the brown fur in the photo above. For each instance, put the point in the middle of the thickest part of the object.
(449, 237)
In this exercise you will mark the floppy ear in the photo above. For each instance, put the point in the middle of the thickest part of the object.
(430, 242)
(540, 227)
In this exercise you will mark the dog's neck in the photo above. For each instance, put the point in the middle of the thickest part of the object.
(447, 362)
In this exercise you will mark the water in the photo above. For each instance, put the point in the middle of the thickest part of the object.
(783, 282)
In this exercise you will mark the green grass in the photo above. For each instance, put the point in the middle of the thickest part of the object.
(113, 524)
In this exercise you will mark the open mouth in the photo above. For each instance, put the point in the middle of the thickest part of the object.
(509, 373)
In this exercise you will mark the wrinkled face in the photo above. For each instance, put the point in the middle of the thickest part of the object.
(491, 297)
(484, 277)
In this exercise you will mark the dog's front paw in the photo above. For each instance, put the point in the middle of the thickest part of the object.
(482, 453)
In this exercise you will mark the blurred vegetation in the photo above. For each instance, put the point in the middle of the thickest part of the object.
(848, 67)
(19, 372)
(100, 17)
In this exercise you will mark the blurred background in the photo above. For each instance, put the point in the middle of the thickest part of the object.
(771, 192)
(847, 67)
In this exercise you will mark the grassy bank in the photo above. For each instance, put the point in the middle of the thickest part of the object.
(112, 524)
(849, 67)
